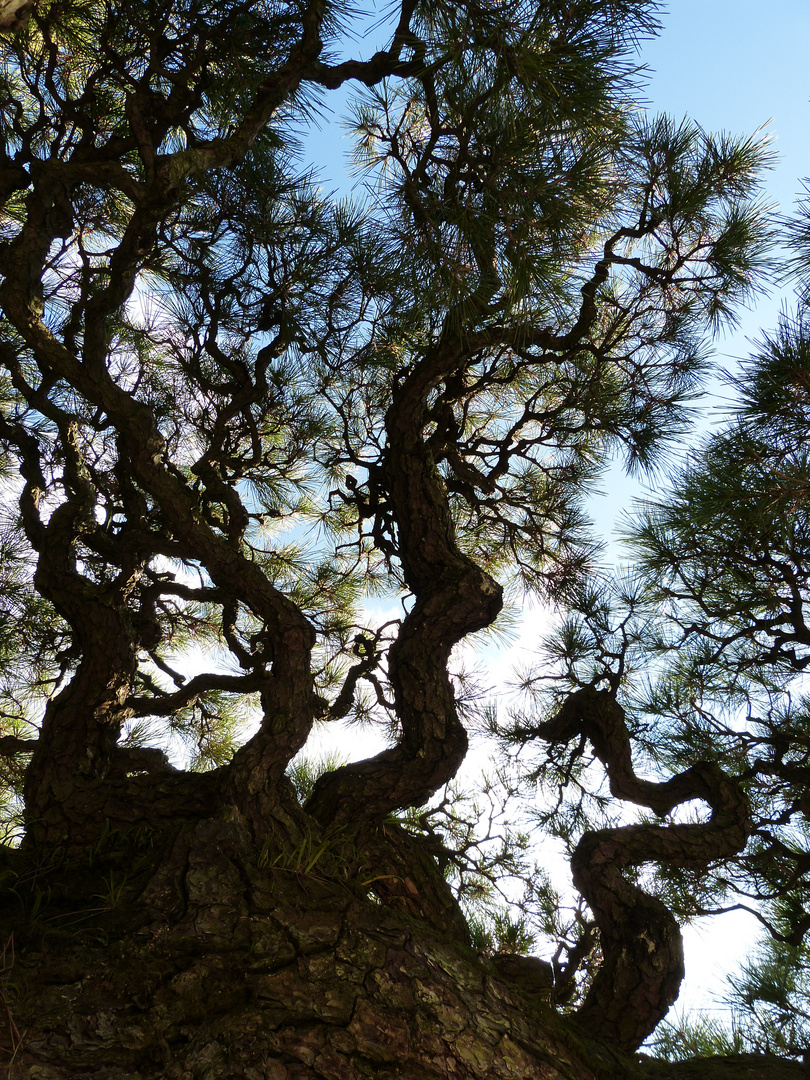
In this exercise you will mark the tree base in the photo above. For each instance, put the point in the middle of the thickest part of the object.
(196, 957)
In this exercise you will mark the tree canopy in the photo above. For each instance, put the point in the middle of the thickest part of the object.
(242, 416)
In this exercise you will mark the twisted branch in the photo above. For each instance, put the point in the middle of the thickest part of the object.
(641, 942)
(453, 597)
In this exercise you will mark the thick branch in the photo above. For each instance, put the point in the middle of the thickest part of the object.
(643, 953)
(453, 598)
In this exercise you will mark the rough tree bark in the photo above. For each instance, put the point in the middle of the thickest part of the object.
(194, 954)
(206, 926)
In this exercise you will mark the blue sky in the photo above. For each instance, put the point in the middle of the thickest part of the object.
(733, 65)
(730, 65)
(736, 65)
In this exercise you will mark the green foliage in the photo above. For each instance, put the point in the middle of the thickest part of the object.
(704, 639)
(241, 416)
(687, 1038)
(770, 996)
(303, 859)
(305, 771)
(112, 890)
(767, 1010)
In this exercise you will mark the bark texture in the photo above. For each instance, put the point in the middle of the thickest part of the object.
(211, 965)
(448, 368)
(642, 970)
(195, 955)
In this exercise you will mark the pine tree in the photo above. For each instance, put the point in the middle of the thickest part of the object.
(725, 557)
(698, 652)
(238, 412)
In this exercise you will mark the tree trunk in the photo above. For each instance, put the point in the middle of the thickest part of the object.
(195, 954)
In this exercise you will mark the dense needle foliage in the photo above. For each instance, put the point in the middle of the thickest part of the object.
(242, 416)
